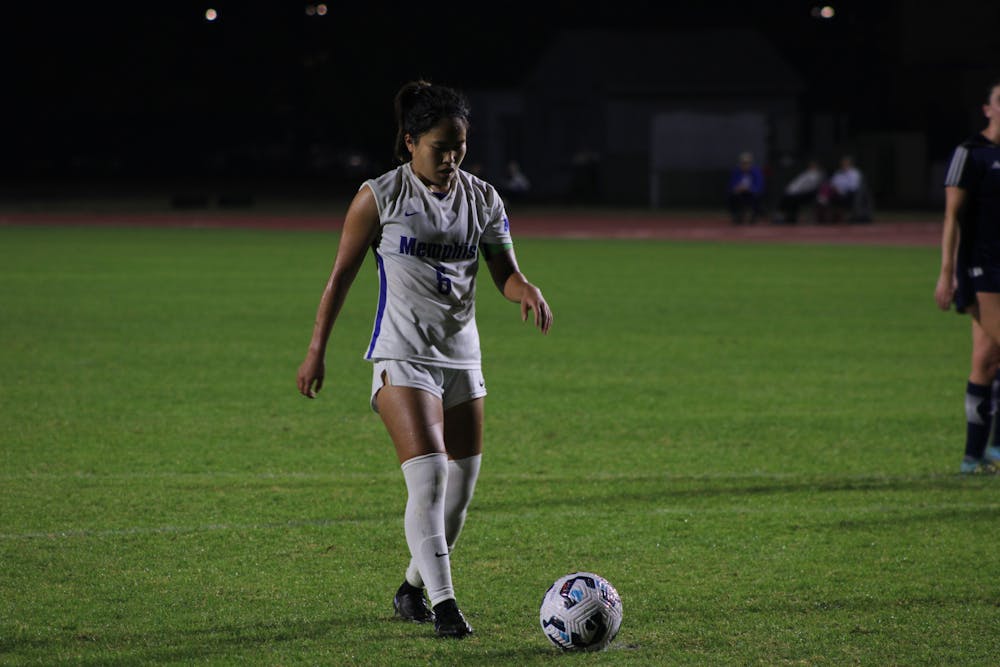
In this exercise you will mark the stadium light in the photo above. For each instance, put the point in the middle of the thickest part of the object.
(211, 14)
(824, 12)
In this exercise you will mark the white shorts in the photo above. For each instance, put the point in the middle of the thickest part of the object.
(452, 385)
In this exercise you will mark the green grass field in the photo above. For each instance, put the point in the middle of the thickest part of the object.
(757, 444)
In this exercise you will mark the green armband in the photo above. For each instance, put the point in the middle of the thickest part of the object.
(490, 249)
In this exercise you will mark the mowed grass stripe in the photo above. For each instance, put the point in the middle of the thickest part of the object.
(853, 513)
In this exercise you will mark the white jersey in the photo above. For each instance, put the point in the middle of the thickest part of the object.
(428, 255)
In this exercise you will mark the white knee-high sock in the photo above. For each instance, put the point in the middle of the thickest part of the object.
(426, 483)
(462, 476)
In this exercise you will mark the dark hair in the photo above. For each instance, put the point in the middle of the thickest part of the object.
(419, 106)
(990, 88)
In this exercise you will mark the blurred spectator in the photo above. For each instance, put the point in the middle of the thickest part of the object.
(845, 196)
(517, 185)
(746, 190)
(799, 191)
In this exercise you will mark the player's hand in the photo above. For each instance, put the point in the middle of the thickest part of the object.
(533, 301)
(310, 377)
(944, 291)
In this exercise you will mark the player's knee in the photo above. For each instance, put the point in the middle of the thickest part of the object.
(984, 365)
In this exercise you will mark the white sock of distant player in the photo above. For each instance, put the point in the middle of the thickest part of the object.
(426, 483)
(462, 476)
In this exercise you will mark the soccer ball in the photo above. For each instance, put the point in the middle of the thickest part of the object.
(581, 612)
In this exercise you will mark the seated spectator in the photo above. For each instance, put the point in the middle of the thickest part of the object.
(800, 190)
(746, 191)
(845, 197)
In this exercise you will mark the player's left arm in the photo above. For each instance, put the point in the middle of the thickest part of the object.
(514, 286)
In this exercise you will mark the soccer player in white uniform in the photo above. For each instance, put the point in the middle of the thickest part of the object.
(427, 223)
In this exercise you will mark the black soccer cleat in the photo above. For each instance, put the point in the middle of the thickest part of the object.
(449, 622)
(411, 605)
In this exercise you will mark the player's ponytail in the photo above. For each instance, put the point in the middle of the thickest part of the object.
(420, 105)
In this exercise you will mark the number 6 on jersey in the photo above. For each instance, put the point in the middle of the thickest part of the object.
(444, 282)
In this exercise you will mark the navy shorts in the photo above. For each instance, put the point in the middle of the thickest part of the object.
(965, 292)
(985, 278)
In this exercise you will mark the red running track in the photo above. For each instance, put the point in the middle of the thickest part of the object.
(536, 224)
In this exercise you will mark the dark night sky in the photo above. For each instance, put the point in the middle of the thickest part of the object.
(158, 79)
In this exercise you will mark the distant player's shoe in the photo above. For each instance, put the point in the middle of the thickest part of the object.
(411, 605)
(449, 622)
(983, 466)
(992, 454)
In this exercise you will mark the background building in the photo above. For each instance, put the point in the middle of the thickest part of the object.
(625, 104)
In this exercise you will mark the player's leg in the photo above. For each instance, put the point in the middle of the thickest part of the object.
(463, 393)
(979, 399)
(992, 454)
(462, 424)
(464, 405)
(463, 437)
(463, 427)
(414, 418)
(986, 370)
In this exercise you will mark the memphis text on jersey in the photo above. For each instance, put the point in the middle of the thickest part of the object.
(409, 245)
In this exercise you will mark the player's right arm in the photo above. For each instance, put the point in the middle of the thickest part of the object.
(945, 288)
(361, 227)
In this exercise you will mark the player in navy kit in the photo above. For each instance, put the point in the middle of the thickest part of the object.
(970, 276)
(427, 223)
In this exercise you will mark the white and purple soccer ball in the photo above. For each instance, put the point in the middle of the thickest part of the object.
(581, 612)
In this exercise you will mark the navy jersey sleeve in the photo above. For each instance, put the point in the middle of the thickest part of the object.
(959, 169)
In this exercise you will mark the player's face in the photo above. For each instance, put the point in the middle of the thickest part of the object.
(992, 110)
(437, 153)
